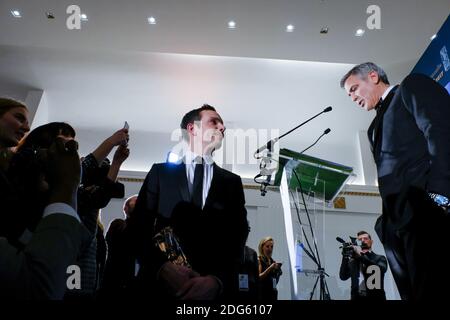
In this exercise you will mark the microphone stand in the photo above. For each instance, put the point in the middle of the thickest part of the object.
(269, 146)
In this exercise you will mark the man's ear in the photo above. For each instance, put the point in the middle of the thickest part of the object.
(373, 77)
(190, 129)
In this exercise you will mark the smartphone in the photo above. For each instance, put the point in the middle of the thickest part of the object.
(126, 126)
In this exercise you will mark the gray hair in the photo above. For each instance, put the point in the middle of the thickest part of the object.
(363, 70)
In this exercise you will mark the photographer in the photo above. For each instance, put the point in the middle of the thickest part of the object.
(365, 268)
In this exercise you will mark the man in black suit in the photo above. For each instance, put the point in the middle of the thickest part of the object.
(365, 268)
(410, 139)
(205, 207)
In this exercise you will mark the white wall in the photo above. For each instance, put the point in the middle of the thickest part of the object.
(14, 91)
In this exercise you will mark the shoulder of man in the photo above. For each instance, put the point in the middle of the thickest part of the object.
(228, 174)
(417, 81)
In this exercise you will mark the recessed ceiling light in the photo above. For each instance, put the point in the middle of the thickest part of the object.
(231, 25)
(434, 36)
(290, 28)
(84, 17)
(324, 30)
(360, 32)
(16, 13)
(49, 15)
(151, 20)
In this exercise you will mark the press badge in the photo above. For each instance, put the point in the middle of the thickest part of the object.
(243, 282)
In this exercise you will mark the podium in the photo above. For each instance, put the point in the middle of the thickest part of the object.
(307, 186)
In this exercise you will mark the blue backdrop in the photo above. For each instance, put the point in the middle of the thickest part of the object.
(435, 62)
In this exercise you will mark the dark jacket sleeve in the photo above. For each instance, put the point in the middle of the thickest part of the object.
(375, 259)
(429, 104)
(344, 271)
(39, 270)
(140, 226)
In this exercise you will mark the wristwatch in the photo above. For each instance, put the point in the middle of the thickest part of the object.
(440, 200)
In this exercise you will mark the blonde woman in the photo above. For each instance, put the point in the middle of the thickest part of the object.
(269, 270)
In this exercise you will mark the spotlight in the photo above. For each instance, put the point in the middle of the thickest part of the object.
(231, 25)
(173, 157)
(360, 32)
(16, 14)
(290, 28)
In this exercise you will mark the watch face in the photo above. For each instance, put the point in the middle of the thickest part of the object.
(441, 200)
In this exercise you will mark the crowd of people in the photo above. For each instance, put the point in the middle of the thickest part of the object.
(51, 217)
(184, 235)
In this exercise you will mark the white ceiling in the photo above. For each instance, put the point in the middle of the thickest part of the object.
(110, 70)
(199, 27)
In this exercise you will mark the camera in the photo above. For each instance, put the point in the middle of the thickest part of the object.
(348, 247)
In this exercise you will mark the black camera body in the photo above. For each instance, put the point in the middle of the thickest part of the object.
(348, 247)
(347, 250)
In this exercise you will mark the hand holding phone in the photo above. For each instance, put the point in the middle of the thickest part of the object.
(127, 127)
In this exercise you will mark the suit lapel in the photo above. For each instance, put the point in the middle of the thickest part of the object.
(215, 183)
(376, 127)
(182, 181)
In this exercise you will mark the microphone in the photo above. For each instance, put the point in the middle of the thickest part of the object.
(327, 131)
(339, 239)
(271, 142)
(265, 166)
(268, 145)
(264, 172)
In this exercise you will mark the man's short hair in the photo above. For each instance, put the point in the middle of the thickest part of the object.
(192, 116)
(362, 70)
(363, 232)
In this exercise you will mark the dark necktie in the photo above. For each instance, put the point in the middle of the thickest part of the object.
(197, 188)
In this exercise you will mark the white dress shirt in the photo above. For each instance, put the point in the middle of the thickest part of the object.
(385, 94)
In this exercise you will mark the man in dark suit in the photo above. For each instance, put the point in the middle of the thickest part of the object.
(410, 139)
(205, 207)
(365, 268)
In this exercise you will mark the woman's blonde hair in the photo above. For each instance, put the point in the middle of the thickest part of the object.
(262, 243)
(7, 104)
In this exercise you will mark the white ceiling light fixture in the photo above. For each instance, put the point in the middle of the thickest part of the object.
(360, 32)
(231, 25)
(49, 15)
(434, 36)
(16, 14)
(84, 17)
(324, 30)
(290, 28)
(151, 20)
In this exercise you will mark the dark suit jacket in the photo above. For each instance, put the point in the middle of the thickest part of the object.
(352, 267)
(39, 270)
(212, 238)
(410, 139)
(119, 275)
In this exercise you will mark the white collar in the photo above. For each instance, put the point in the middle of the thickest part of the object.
(191, 156)
(385, 94)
